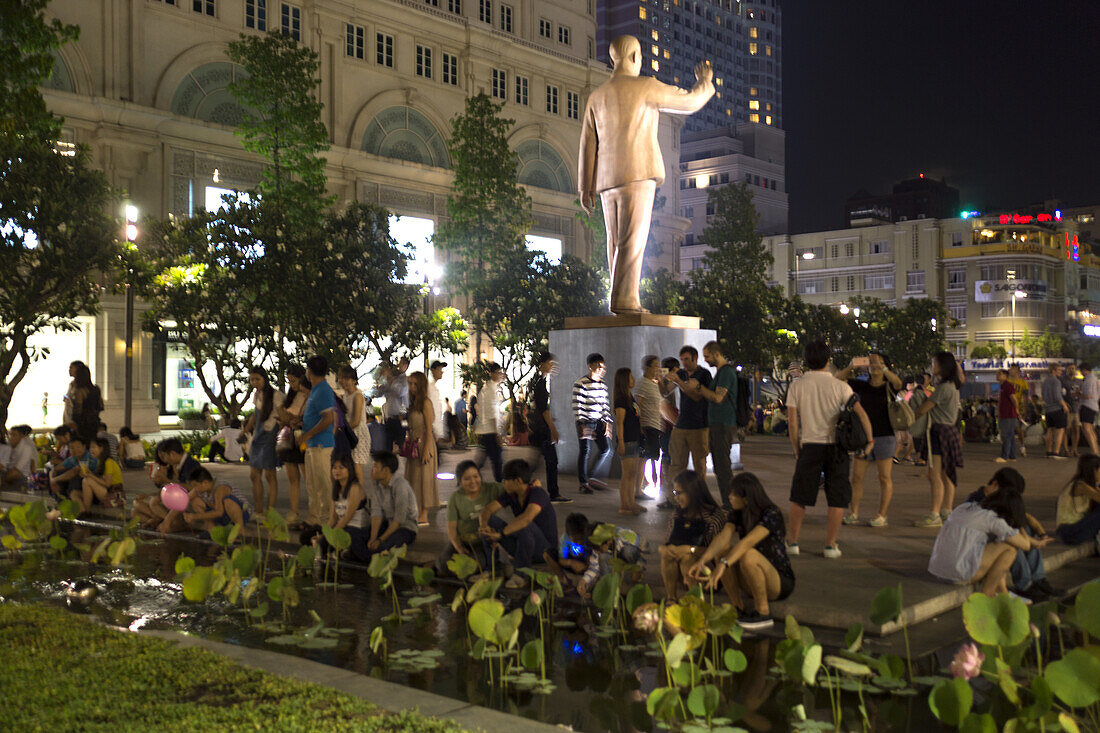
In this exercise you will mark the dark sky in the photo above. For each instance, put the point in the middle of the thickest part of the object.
(1001, 98)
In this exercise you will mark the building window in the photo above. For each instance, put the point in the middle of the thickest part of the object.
(851, 284)
(454, 6)
(572, 105)
(168, 2)
(551, 99)
(834, 284)
(914, 281)
(591, 48)
(754, 104)
(355, 42)
(641, 13)
(956, 279)
(450, 69)
(255, 14)
(546, 28)
(689, 212)
(485, 11)
(424, 61)
(500, 83)
(521, 90)
(881, 247)
(878, 282)
(563, 35)
(956, 239)
(754, 118)
(433, 3)
(506, 18)
(850, 249)
(290, 21)
(957, 313)
(753, 49)
(206, 7)
(383, 49)
(754, 32)
(994, 272)
(809, 287)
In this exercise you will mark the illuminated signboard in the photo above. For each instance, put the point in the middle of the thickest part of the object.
(1043, 218)
(1090, 330)
(1073, 248)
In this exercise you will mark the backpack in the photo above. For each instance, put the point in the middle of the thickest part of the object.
(850, 434)
(901, 414)
(744, 412)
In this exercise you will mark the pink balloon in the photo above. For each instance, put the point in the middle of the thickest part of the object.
(175, 497)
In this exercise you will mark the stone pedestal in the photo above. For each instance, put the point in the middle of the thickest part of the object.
(623, 341)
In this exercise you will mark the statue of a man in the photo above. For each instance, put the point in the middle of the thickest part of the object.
(620, 158)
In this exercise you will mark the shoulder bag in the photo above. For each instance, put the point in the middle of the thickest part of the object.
(901, 414)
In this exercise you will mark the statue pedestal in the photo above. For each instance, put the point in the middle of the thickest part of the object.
(623, 341)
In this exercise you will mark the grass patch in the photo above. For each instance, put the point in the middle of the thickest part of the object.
(62, 672)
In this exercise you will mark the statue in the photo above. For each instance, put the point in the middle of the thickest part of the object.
(620, 158)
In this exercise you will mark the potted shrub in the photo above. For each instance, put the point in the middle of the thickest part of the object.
(191, 419)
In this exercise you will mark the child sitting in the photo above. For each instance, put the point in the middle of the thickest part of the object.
(68, 476)
(348, 502)
(579, 565)
(131, 449)
(213, 504)
(101, 483)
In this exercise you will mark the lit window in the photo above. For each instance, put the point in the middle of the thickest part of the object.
(768, 120)
(667, 54)
(655, 35)
(291, 21)
(255, 15)
(655, 50)
(641, 13)
(752, 91)
(355, 43)
(754, 118)
(767, 50)
(717, 81)
(753, 33)
(655, 65)
(768, 107)
(753, 49)
(754, 104)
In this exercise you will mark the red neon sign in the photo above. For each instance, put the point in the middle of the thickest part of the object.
(1028, 218)
(1073, 248)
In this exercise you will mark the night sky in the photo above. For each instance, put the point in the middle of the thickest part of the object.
(1001, 98)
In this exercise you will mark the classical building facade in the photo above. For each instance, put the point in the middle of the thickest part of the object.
(975, 266)
(145, 88)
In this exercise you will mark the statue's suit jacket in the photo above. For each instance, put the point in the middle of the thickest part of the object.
(619, 138)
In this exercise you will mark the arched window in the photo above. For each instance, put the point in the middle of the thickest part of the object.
(60, 76)
(541, 166)
(204, 95)
(405, 134)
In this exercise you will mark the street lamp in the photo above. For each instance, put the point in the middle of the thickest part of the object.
(1016, 295)
(131, 213)
(432, 274)
(807, 255)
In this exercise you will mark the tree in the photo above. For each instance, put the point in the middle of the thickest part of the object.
(27, 43)
(489, 212)
(736, 250)
(58, 244)
(907, 336)
(282, 123)
(1047, 344)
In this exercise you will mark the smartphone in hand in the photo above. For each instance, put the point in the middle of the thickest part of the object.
(861, 361)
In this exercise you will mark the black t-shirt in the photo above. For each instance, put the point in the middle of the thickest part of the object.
(541, 392)
(875, 401)
(632, 426)
(693, 413)
(546, 520)
(773, 547)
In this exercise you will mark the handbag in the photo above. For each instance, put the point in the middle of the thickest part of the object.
(901, 414)
(850, 435)
(410, 449)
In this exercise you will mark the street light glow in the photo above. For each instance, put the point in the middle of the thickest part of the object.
(131, 213)
(1019, 294)
(131, 232)
(807, 255)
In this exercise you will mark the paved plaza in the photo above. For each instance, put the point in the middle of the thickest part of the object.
(829, 593)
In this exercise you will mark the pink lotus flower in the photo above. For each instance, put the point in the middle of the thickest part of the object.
(967, 662)
(535, 599)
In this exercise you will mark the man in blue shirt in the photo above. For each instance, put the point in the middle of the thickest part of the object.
(319, 440)
(68, 476)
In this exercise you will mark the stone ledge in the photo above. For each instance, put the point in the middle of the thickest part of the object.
(631, 319)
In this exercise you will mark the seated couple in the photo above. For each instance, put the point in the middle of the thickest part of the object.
(89, 476)
(701, 533)
(989, 538)
(391, 518)
(473, 527)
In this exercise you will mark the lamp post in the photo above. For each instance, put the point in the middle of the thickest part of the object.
(131, 213)
(808, 255)
(432, 273)
(1016, 295)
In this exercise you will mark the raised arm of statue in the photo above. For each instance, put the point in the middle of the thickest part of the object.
(688, 101)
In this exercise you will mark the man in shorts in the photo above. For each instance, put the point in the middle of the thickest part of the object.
(814, 402)
(1055, 410)
(1071, 392)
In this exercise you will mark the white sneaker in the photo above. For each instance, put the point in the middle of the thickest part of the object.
(850, 518)
(792, 547)
(832, 552)
(998, 459)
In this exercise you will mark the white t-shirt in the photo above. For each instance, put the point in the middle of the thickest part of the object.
(649, 398)
(488, 408)
(437, 408)
(233, 450)
(819, 397)
(272, 419)
(24, 457)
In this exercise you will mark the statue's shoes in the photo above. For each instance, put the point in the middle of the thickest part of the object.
(628, 311)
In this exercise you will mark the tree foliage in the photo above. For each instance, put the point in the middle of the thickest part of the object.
(1047, 344)
(58, 241)
(489, 211)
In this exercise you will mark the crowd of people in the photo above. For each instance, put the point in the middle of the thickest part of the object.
(666, 420)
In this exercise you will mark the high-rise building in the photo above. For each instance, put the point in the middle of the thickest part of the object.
(915, 198)
(742, 39)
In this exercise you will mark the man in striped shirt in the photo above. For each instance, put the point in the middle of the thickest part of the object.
(592, 414)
